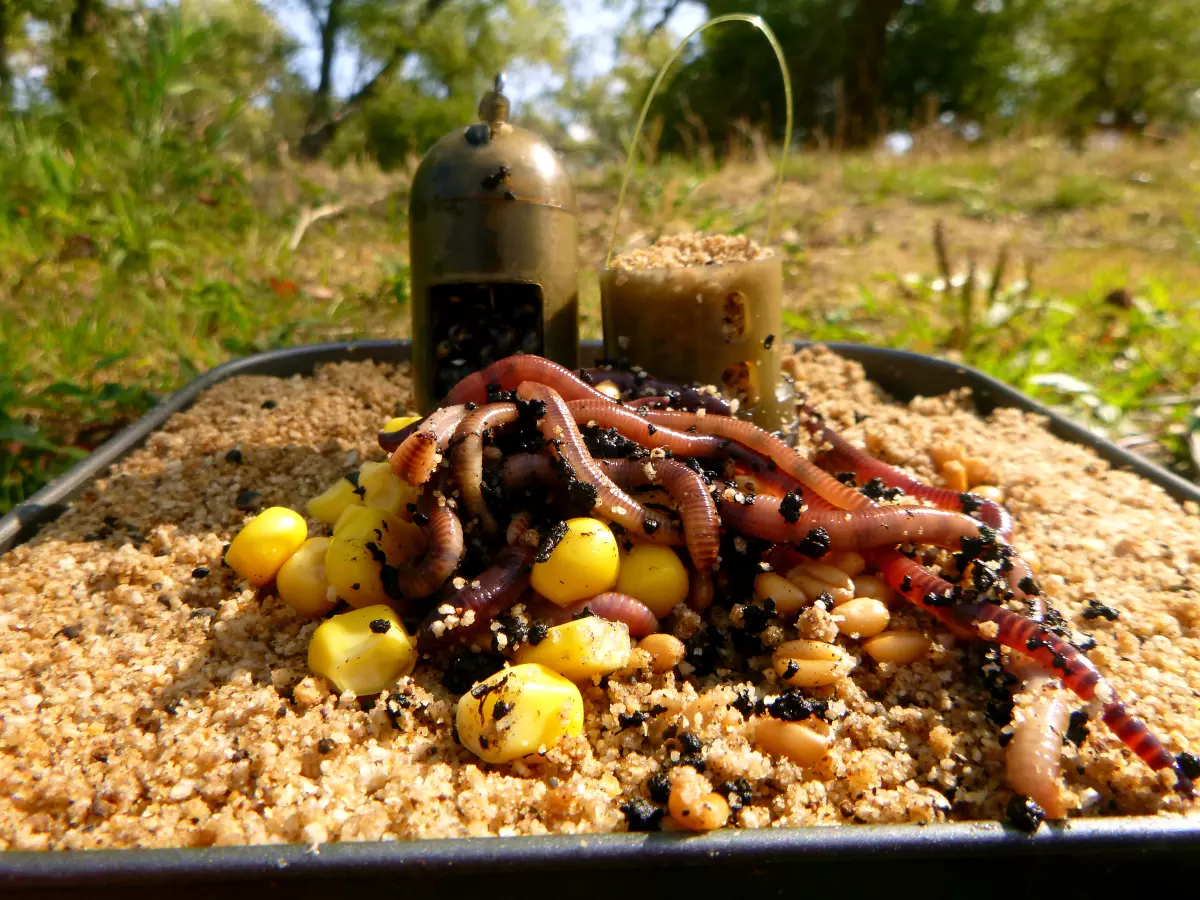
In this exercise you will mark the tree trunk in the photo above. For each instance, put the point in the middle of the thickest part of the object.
(864, 74)
(323, 97)
(79, 28)
(321, 131)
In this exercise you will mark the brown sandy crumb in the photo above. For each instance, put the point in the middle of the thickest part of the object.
(693, 249)
(143, 706)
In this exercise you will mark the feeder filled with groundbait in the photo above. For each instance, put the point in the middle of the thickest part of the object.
(493, 244)
(707, 324)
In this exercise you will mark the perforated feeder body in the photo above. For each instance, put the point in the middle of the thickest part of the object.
(717, 325)
(493, 249)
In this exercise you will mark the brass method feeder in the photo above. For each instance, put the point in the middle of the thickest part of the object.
(493, 252)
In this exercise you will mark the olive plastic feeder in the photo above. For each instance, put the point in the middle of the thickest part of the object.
(493, 249)
(715, 325)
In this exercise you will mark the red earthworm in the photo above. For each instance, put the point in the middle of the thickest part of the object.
(688, 398)
(1035, 751)
(744, 461)
(1081, 676)
(782, 558)
(497, 588)
(589, 482)
(701, 592)
(1052, 653)
(910, 579)
(701, 526)
(467, 462)
(619, 607)
(640, 430)
(772, 483)
(518, 525)
(521, 470)
(845, 457)
(1021, 582)
(509, 372)
(418, 456)
(680, 443)
(611, 605)
(1034, 754)
(391, 440)
(864, 466)
(443, 542)
(771, 447)
(860, 529)
(652, 402)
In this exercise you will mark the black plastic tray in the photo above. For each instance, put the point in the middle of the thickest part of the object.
(937, 860)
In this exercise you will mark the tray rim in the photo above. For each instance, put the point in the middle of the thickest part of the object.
(1139, 835)
(1116, 836)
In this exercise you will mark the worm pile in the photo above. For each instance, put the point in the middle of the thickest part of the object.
(525, 444)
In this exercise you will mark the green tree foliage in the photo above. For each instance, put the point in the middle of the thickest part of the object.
(9, 24)
(857, 66)
(609, 106)
(958, 55)
(861, 66)
(179, 118)
(428, 59)
(105, 64)
(734, 78)
(455, 62)
(1121, 61)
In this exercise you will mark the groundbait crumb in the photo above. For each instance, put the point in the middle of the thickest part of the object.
(144, 705)
(678, 251)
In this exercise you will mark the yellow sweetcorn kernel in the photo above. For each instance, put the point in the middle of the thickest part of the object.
(349, 514)
(382, 489)
(398, 423)
(301, 581)
(329, 505)
(977, 470)
(364, 541)
(372, 485)
(655, 575)
(265, 543)
(364, 651)
(580, 649)
(583, 564)
(518, 711)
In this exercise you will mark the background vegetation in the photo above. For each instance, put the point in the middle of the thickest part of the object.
(1010, 182)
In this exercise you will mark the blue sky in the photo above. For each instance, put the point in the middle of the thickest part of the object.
(591, 23)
